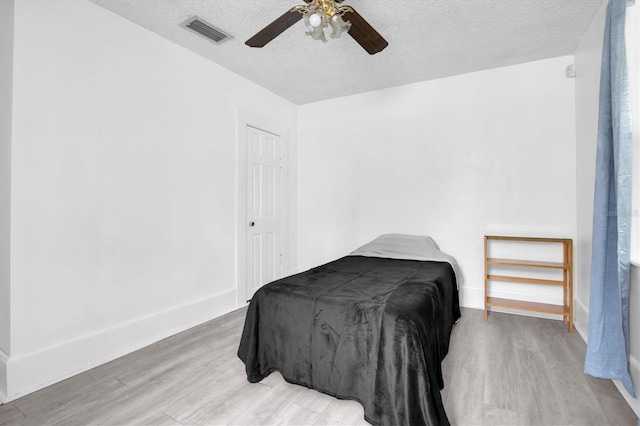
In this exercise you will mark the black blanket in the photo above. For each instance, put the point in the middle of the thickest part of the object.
(374, 330)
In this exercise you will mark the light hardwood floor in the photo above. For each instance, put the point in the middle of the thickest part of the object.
(509, 370)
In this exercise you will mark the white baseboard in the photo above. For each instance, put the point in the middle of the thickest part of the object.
(26, 373)
(582, 326)
(581, 319)
(4, 361)
(634, 403)
(635, 375)
(581, 331)
(471, 297)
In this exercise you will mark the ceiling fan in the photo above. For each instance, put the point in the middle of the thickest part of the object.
(321, 15)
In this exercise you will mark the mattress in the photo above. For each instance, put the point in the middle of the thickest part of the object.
(367, 328)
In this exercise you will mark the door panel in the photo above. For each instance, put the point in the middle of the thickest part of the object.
(264, 205)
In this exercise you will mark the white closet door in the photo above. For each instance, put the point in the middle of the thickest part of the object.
(264, 209)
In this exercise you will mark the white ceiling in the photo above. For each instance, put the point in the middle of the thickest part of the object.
(428, 39)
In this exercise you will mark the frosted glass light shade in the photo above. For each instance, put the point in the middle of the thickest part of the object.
(317, 33)
(315, 20)
(339, 26)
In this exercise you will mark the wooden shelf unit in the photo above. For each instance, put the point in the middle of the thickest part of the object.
(566, 265)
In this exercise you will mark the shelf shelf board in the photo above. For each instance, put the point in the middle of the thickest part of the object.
(528, 239)
(525, 280)
(527, 263)
(528, 306)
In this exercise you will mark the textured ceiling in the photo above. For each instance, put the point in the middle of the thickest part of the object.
(428, 39)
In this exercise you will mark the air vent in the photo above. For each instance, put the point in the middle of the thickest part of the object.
(205, 29)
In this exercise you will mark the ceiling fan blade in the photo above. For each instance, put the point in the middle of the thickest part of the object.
(364, 33)
(274, 29)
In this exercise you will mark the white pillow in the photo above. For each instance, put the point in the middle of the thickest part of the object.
(411, 247)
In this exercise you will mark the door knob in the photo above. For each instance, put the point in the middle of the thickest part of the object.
(252, 223)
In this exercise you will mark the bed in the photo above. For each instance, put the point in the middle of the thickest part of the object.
(373, 326)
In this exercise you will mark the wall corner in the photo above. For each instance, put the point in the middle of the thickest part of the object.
(7, 14)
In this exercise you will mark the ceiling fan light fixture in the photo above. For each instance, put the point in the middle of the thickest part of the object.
(324, 16)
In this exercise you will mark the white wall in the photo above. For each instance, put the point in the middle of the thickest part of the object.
(488, 152)
(588, 59)
(6, 84)
(124, 207)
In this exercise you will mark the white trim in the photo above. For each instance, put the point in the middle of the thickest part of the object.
(29, 372)
(581, 312)
(634, 403)
(271, 125)
(581, 331)
(634, 370)
(471, 297)
(7, 17)
(634, 367)
(4, 363)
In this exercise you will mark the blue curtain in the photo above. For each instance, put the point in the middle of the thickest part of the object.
(608, 343)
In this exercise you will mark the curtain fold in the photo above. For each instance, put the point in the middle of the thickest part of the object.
(608, 343)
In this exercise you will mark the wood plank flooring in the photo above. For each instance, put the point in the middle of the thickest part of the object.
(509, 370)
